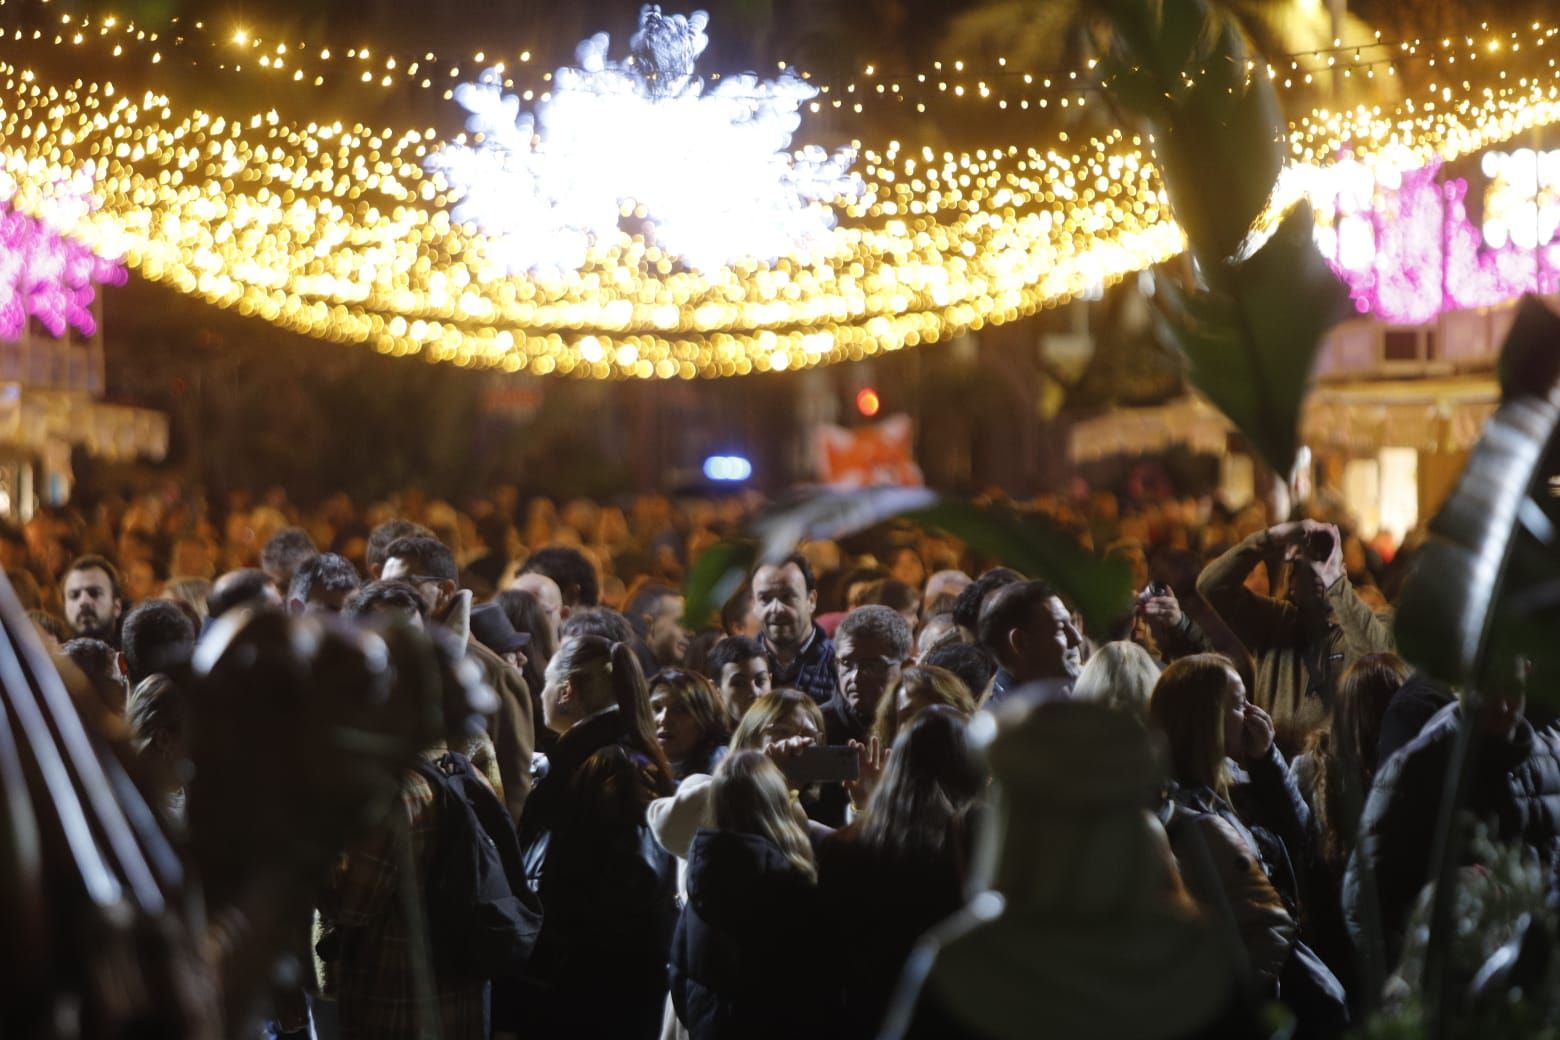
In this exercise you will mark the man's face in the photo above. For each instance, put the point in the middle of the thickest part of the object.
(743, 683)
(431, 590)
(1051, 645)
(90, 607)
(547, 594)
(558, 708)
(325, 601)
(664, 632)
(867, 667)
(785, 607)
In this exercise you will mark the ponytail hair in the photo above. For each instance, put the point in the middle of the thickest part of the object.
(632, 694)
(608, 675)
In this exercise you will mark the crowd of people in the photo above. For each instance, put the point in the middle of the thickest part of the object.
(889, 791)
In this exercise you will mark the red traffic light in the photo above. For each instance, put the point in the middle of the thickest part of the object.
(867, 402)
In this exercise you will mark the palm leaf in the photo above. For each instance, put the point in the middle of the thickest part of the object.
(1099, 589)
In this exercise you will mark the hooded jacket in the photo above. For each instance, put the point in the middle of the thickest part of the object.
(750, 924)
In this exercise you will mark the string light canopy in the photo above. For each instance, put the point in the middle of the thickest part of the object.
(348, 232)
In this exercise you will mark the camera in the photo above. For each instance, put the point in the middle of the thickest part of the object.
(1318, 545)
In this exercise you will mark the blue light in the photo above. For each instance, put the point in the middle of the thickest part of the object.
(730, 468)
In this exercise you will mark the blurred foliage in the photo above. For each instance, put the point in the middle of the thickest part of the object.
(1253, 316)
(1027, 542)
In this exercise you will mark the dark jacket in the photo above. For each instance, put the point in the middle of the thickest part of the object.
(1297, 669)
(812, 671)
(608, 894)
(1415, 704)
(750, 925)
(841, 724)
(876, 909)
(1514, 785)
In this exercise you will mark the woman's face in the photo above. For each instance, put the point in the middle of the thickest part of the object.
(794, 724)
(1234, 715)
(557, 711)
(678, 732)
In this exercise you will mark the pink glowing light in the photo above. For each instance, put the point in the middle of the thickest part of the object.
(46, 276)
(1428, 256)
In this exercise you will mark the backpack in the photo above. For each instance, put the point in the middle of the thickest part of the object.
(482, 920)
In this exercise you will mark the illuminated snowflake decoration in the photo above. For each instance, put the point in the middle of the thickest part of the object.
(642, 146)
(45, 275)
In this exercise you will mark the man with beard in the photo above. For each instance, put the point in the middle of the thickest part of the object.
(1038, 648)
(92, 599)
(1300, 644)
(871, 646)
(801, 657)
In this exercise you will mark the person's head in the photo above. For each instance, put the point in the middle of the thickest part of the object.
(1031, 633)
(573, 573)
(1119, 675)
(51, 628)
(943, 584)
(1130, 551)
(920, 687)
(897, 596)
(932, 778)
(397, 602)
(603, 622)
(689, 720)
(938, 629)
(248, 586)
(547, 595)
(490, 626)
(194, 593)
(382, 537)
(740, 671)
(739, 615)
(1364, 691)
(156, 712)
(973, 664)
(158, 637)
(749, 795)
(905, 565)
(321, 585)
(656, 612)
(284, 552)
(1199, 705)
(871, 645)
(1344, 754)
(99, 662)
(93, 604)
(778, 716)
(590, 675)
(967, 607)
(527, 614)
(785, 596)
(428, 565)
(1502, 701)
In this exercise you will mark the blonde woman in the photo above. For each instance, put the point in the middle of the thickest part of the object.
(1121, 676)
(751, 915)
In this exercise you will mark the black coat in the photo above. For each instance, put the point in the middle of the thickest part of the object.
(876, 908)
(739, 956)
(608, 894)
(1514, 786)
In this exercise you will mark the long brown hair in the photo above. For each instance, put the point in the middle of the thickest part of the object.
(1188, 708)
(1344, 754)
(702, 702)
(607, 674)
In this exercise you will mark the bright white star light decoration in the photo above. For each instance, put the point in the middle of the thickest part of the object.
(642, 146)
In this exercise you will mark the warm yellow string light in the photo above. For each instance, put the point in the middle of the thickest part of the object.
(336, 231)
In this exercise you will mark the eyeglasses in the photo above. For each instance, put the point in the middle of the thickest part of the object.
(869, 665)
